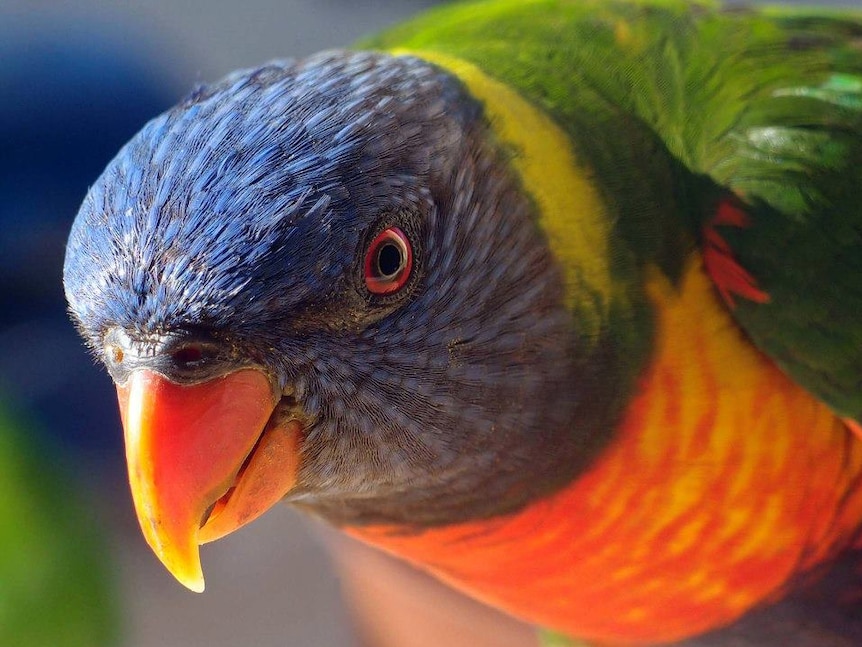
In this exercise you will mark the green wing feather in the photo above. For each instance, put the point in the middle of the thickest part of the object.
(794, 154)
(677, 105)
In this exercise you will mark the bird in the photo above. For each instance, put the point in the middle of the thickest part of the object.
(556, 300)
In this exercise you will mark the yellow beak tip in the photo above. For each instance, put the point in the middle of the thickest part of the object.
(196, 585)
(181, 558)
(190, 577)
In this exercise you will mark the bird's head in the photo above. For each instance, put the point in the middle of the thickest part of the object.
(322, 281)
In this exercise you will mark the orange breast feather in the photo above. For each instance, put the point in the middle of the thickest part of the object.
(723, 481)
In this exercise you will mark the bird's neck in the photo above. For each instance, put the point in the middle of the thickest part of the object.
(724, 480)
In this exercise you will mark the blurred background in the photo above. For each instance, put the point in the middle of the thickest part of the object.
(77, 79)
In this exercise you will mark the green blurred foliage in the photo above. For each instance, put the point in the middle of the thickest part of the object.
(55, 584)
(553, 639)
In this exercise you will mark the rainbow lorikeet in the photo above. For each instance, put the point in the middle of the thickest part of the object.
(558, 300)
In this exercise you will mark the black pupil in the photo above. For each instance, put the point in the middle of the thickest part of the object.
(389, 259)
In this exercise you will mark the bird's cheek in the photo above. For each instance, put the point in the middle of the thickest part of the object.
(204, 451)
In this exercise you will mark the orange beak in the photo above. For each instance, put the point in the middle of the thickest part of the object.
(203, 460)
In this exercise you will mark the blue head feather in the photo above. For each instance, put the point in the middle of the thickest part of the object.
(246, 211)
(312, 182)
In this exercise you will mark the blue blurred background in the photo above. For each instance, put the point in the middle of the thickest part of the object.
(77, 79)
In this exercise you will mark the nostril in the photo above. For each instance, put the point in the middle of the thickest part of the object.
(117, 354)
(190, 354)
(181, 356)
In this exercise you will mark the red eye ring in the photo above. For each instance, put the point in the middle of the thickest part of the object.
(388, 262)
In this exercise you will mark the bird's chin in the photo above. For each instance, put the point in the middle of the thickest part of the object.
(265, 477)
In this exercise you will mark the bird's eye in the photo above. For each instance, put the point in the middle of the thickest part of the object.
(388, 262)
